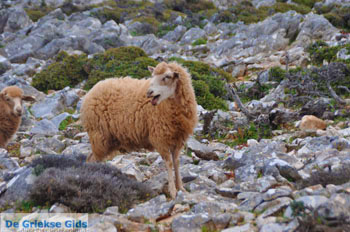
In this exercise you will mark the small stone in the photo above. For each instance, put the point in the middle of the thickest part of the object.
(152, 210)
(202, 150)
(44, 127)
(59, 208)
(310, 122)
(245, 228)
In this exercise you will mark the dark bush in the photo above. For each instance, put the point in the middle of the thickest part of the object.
(189, 5)
(84, 187)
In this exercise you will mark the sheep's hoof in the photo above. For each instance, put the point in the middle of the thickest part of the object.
(183, 189)
(172, 193)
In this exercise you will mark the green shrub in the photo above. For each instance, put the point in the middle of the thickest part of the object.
(192, 5)
(309, 3)
(164, 29)
(136, 68)
(129, 61)
(69, 71)
(199, 41)
(153, 23)
(339, 17)
(320, 51)
(208, 83)
(106, 14)
(35, 15)
(277, 74)
(119, 62)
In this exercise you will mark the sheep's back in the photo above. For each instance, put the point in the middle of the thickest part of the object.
(116, 105)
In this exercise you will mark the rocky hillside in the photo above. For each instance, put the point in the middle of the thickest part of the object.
(257, 161)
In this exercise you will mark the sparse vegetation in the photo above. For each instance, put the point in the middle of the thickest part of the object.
(320, 51)
(199, 41)
(84, 187)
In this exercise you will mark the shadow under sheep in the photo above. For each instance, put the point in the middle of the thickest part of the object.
(84, 187)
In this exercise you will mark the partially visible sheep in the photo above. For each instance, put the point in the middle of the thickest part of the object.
(125, 114)
(11, 112)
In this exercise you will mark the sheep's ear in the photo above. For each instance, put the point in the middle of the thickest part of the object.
(176, 75)
(151, 69)
(29, 98)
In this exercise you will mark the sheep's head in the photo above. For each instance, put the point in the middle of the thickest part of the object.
(13, 96)
(163, 83)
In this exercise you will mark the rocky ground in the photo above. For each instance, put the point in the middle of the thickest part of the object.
(255, 166)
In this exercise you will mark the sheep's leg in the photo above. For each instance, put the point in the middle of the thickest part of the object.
(176, 160)
(100, 147)
(169, 166)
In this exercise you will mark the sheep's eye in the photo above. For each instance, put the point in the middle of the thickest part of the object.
(166, 77)
(8, 99)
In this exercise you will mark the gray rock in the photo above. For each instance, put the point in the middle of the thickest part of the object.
(24, 46)
(223, 4)
(201, 150)
(264, 36)
(108, 40)
(7, 163)
(271, 207)
(18, 187)
(272, 227)
(336, 207)
(314, 27)
(210, 28)
(341, 144)
(49, 107)
(343, 54)
(16, 20)
(60, 118)
(59, 208)
(191, 222)
(53, 47)
(310, 201)
(259, 3)
(313, 145)
(152, 210)
(44, 127)
(43, 145)
(133, 171)
(278, 167)
(77, 149)
(4, 65)
(247, 163)
(174, 36)
(209, 208)
(150, 43)
(191, 35)
(345, 132)
(239, 70)
(245, 228)
(141, 28)
(316, 107)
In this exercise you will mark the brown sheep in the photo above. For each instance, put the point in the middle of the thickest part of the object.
(11, 112)
(125, 114)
